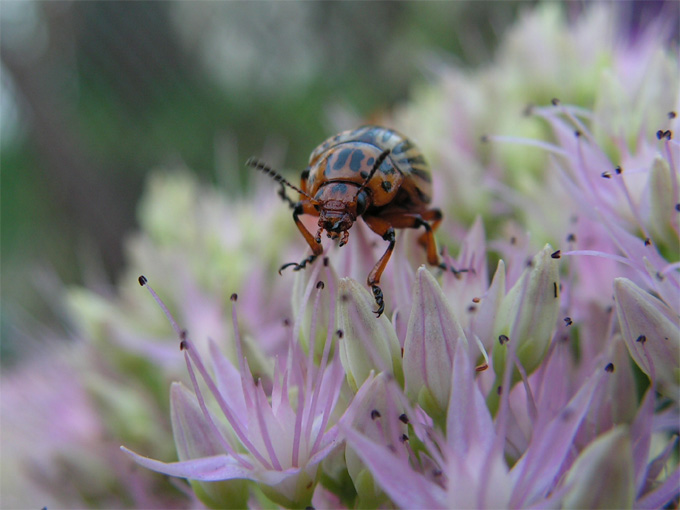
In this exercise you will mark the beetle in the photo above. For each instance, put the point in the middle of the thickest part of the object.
(371, 172)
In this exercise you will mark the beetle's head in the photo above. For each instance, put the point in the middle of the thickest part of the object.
(336, 216)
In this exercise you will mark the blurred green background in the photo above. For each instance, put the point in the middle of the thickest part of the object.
(96, 94)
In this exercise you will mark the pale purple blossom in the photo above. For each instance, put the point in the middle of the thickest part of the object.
(545, 375)
(270, 439)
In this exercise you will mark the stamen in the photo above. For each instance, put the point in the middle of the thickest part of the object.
(529, 142)
(260, 403)
(204, 409)
(235, 423)
(145, 283)
(306, 392)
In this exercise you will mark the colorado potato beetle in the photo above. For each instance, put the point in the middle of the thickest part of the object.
(373, 172)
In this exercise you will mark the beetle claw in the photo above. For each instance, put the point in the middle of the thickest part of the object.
(378, 295)
(301, 265)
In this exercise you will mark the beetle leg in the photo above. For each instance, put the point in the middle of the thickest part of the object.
(304, 207)
(384, 229)
(410, 220)
(286, 198)
(435, 216)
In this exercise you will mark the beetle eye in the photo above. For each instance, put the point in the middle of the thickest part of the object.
(361, 203)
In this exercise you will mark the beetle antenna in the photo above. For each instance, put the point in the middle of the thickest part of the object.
(263, 167)
(376, 165)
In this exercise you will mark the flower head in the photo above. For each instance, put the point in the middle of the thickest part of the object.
(545, 373)
(271, 439)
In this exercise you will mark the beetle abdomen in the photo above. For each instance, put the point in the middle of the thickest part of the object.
(349, 156)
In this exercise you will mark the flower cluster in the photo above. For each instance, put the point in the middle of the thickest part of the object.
(546, 374)
(531, 387)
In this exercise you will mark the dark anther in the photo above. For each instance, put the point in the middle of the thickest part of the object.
(325, 262)
(609, 368)
(403, 438)
(677, 207)
(320, 284)
(499, 390)
(556, 254)
(471, 308)
(556, 290)
(571, 238)
(142, 280)
(648, 241)
(182, 345)
(577, 133)
(403, 418)
(641, 339)
(503, 339)
(513, 240)
(482, 367)
(568, 321)
(375, 414)
(618, 170)
(661, 134)
(672, 115)
(555, 101)
(606, 175)
(476, 300)
(234, 297)
(340, 333)
(286, 322)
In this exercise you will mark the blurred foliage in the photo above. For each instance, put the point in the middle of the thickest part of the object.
(96, 94)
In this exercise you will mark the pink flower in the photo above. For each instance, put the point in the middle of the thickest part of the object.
(260, 434)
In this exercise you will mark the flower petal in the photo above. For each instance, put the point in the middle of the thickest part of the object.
(652, 335)
(368, 344)
(208, 469)
(602, 475)
(432, 334)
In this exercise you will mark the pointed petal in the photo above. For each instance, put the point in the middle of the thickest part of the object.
(391, 473)
(469, 424)
(208, 469)
(483, 322)
(368, 343)
(662, 495)
(528, 313)
(433, 332)
(663, 215)
(228, 381)
(193, 433)
(652, 335)
(551, 442)
(602, 475)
